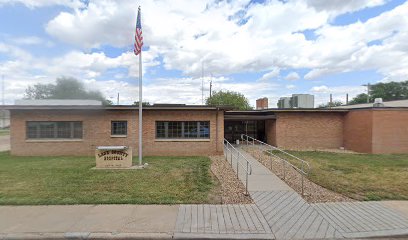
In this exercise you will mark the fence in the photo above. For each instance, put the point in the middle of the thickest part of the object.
(233, 152)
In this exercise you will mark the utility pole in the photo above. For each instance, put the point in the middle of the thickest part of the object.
(211, 87)
(368, 91)
(202, 83)
(118, 100)
(331, 101)
(346, 98)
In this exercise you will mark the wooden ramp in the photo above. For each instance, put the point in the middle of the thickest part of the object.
(363, 219)
(291, 217)
(221, 221)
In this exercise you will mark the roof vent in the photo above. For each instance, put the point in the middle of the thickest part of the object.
(378, 102)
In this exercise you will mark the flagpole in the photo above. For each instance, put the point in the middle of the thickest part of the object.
(140, 109)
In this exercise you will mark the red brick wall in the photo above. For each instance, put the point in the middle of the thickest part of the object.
(97, 132)
(270, 131)
(309, 130)
(390, 131)
(358, 127)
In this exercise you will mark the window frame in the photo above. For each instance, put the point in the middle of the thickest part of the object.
(119, 134)
(168, 134)
(56, 131)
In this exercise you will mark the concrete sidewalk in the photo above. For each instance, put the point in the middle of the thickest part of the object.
(88, 221)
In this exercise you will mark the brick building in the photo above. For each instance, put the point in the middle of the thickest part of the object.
(186, 130)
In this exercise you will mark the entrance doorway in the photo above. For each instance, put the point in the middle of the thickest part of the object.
(253, 128)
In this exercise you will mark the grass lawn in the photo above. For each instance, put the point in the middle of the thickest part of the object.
(4, 132)
(360, 176)
(70, 180)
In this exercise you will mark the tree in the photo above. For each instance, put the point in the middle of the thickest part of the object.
(387, 91)
(39, 91)
(360, 98)
(65, 88)
(331, 104)
(237, 100)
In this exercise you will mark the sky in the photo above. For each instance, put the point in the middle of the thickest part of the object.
(271, 48)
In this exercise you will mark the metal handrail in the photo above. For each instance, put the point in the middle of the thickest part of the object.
(303, 170)
(248, 168)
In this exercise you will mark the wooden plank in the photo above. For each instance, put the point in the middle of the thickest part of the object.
(343, 218)
(261, 219)
(301, 231)
(392, 218)
(187, 220)
(375, 216)
(276, 219)
(352, 217)
(234, 219)
(248, 219)
(275, 208)
(214, 219)
(291, 216)
(227, 219)
(266, 208)
(194, 218)
(254, 218)
(311, 232)
(180, 218)
(241, 219)
(207, 219)
(330, 233)
(200, 219)
(363, 217)
(321, 232)
(270, 199)
(329, 216)
(220, 217)
(260, 196)
(300, 221)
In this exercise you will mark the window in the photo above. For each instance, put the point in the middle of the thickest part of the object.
(183, 130)
(119, 128)
(54, 130)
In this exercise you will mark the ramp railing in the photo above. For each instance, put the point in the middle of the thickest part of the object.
(242, 162)
(287, 159)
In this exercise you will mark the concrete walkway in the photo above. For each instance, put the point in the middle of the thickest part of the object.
(87, 221)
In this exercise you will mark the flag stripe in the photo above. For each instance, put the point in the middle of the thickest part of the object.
(138, 35)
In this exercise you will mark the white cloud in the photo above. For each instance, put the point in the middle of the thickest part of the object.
(292, 76)
(290, 86)
(214, 33)
(45, 3)
(320, 89)
(274, 73)
(337, 7)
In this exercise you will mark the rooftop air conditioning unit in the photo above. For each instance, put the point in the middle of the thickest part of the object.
(378, 102)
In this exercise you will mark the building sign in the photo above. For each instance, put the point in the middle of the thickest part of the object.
(113, 157)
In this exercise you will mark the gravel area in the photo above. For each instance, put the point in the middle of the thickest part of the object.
(233, 190)
(313, 193)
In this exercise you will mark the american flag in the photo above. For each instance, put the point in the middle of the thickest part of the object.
(138, 35)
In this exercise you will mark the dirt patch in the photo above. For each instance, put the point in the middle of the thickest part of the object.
(313, 193)
(232, 189)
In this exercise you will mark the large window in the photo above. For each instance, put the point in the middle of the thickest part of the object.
(183, 130)
(119, 128)
(54, 130)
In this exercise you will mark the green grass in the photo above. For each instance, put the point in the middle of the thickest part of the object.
(70, 180)
(4, 132)
(360, 176)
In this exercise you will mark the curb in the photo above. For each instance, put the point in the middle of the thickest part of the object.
(85, 235)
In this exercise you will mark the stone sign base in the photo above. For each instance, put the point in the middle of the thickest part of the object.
(113, 157)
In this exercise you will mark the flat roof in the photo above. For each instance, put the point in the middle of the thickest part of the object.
(115, 107)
